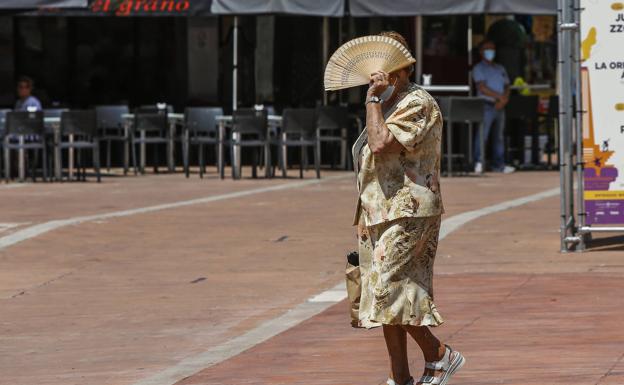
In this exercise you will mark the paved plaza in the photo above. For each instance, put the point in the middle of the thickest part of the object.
(161, 280)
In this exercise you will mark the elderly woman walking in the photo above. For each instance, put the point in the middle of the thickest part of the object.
(397, 160)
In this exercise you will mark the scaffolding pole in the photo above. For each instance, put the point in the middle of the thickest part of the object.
(564, 72)
(580, 163)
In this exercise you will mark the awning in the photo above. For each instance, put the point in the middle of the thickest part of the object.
(334, 8)
(450, 7)
(27, 4)
(527, 7)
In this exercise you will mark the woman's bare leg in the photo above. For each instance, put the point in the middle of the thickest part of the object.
(433, 349)
(396, 342)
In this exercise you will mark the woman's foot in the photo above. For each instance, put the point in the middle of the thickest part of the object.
(440, 371)
(392, 382)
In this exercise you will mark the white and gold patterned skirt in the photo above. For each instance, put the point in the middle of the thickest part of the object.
(396, 269)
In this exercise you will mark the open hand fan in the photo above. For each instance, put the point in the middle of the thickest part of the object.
(353, 63)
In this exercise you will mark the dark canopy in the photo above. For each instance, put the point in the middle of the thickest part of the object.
(450, 7)
(25, 4)
(293, 7)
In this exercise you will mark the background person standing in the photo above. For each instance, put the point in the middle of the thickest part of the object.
(492, 84)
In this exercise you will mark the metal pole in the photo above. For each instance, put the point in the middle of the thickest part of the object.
(235, 136)
(580, 199)
(564, 123)
(571, 126)
(418, 27)
(325, 50)
(235, 65)
(562, 198)
(470, 56)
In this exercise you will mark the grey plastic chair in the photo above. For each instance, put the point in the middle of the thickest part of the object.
(3, 112)
(332, 124)
(299, 130)
(111, 127)
(444, 102)
(200, 129)
(250, 130)
(152, 125)
(20, 125)
(467, 110)
(81, 124)
(52, 113)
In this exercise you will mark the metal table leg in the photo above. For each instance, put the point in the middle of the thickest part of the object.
(58, 172)
(343, 149)
(220, 149)
(142, 151)
(170, 147)
(236, 154)
(21, 160)
(126, 149)
(482, 141)
(185, 150)
(470, 139)
(7, 168)
(284, 150)
(267, 160)
(71, 158)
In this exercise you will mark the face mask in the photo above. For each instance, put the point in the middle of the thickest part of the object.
(387, 94)
(489, 54)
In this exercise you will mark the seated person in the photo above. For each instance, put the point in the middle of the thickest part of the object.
(492, 85)
(26, 101)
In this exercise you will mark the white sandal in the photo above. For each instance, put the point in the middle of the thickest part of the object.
(391, 382)
(447, 365)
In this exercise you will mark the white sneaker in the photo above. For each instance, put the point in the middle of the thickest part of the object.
(478, 168)
(449, 364)
(508, 169)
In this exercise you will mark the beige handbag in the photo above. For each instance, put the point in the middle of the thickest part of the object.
(354, 286)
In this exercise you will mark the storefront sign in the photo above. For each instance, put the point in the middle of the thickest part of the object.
(128, 7)
(134, 8)
(602, 32)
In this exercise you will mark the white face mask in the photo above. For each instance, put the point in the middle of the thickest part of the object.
(387, 94)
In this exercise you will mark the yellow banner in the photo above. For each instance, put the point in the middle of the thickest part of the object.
(603, 195)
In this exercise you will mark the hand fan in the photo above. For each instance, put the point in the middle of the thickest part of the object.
(353, 63)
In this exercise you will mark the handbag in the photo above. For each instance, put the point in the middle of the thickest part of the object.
(354, 286)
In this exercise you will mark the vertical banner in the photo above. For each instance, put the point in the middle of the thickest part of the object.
(602, 74)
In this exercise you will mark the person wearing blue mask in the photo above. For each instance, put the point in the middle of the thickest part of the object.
(492, 84)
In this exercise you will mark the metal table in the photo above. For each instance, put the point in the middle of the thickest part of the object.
(532, 87)
(174, 120)
(224, 122)
(446, 88)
